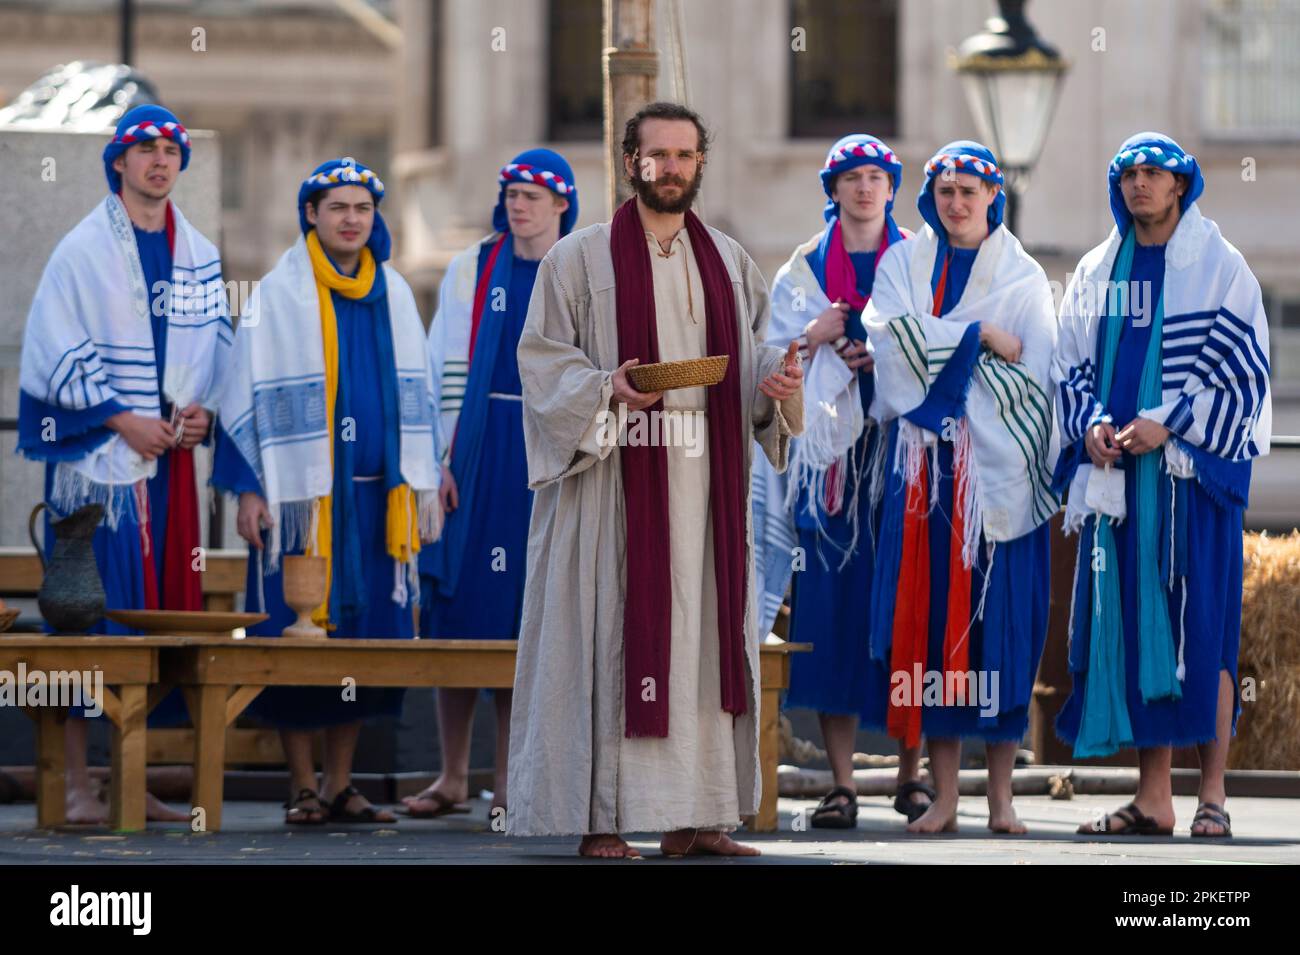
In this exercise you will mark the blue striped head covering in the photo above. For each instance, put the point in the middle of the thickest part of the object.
(348, 172)
(859, 149)
(967, 156)
(541, 167)
(1152, 149)
(138, 125)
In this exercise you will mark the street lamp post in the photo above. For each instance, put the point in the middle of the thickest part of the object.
(126, 39)
(1012, 81)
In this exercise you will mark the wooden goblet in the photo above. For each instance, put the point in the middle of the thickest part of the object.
(304, 591)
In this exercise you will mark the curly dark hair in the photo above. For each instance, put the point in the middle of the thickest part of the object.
(662, 110)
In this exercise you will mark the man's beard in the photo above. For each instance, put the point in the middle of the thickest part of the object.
(645, 188)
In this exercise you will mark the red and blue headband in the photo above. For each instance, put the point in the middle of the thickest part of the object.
(139, 125)
(540, 167)
(858, 149)
(962, 156)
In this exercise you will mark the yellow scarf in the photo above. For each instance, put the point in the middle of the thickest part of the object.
(402, 532)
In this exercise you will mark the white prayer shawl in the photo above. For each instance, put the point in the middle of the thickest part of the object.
(273, 402)
(1012, 442)
(1215, 384)
(448, 339)
(89, 339)
(833, 422)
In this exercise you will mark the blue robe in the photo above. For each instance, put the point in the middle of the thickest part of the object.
(118, 552)
(489, 597)
(830, 607)
(1016, 603)
(1212, 617)
(371, 610)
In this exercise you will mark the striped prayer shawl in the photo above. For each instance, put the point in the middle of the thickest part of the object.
(1216, 397)
(449, 338)
(1008, 407)
(89, 339)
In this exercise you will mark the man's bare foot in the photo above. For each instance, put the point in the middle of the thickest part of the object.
(84, 808)
(607, 846)
(427, 799)
(155, 810)
(1003, 820)
(940, 817)
(431, 803)
(703, 842)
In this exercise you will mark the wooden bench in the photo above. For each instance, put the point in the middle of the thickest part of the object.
(20, 575)
(220, 677)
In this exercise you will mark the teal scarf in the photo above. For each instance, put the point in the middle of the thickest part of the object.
(1104, 726)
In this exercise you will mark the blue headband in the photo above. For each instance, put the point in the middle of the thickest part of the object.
(962, 156)
(140, 125)
(858, 149)
(347, 172)
(541, 167)
(1152, 149)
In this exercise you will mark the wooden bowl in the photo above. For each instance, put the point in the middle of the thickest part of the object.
(184, 623)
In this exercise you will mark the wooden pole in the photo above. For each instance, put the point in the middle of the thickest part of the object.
(630, 65)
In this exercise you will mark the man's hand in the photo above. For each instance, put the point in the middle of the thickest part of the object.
(1099, 442)
(448, 492)
(147, 437)
(1142, 435)
(195, 423)
(857, 357)
(828, 326)
(783, 384)
(1003, 344)
(253, 516)
(628, 395)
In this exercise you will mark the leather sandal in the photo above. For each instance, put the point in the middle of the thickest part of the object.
(300, 815)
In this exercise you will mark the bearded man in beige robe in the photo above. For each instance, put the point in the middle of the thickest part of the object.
(636, 690)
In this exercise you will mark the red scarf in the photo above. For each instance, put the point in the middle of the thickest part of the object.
(912, 618)
(647, 611)
(182, 581)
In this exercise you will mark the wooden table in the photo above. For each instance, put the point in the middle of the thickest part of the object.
(131, 664)
(221, 677)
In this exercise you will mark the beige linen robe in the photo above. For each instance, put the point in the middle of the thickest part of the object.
(571, 769)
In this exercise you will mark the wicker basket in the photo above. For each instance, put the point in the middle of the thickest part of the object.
(667, 375)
